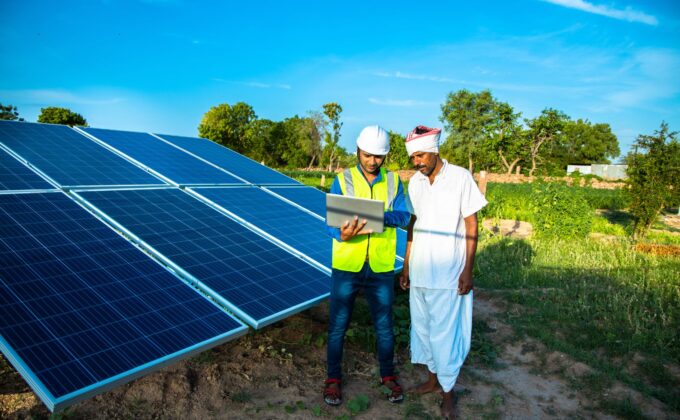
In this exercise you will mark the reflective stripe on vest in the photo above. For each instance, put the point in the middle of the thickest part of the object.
(380, 247)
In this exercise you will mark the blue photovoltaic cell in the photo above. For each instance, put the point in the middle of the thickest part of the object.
(282, 220)
(82, 309)
(256, 279)
(169, 161)
(315, 200)
(310, 198)
(14, 175)
(70, 158)
(233, 162)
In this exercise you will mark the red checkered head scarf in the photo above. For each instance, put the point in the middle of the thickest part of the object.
(423, 139)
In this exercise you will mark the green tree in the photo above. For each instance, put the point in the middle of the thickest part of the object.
(397, 158)
(467, 117)
(332, 111)
(584, 143)
(9, 112)
(299, 142)
(544, 129)
(653, 177)
(57, 115)
(261, 138)
(506, 137)
(316, 133)
(228, 125)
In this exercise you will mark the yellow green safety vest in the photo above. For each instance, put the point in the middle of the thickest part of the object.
(379, 248)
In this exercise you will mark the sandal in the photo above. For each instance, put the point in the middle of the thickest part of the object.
(397, 394)
(332, 394)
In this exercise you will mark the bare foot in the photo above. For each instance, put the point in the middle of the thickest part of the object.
(431, 385)
(449, 405)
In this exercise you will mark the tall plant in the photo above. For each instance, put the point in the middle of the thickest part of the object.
(653, 177)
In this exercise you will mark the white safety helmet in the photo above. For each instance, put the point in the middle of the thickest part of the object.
(374, 140)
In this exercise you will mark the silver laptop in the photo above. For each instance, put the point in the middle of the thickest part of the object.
(341, 208)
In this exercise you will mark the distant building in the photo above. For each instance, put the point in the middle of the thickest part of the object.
(582, 169)
(602, 170)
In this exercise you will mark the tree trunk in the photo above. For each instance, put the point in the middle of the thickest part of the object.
(330, 160)
(504, 161)
(471, 164)
(311, 162)
(512, 165)
(533, 166)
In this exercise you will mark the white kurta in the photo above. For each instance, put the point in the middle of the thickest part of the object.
(441, 320)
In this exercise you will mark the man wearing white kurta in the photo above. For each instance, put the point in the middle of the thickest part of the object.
(442, 241)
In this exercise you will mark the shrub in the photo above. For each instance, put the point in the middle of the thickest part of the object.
(559, 212)
(653, 177)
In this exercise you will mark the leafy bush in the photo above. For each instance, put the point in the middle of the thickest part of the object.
(514, 201)
(653, 177)
(508, 201)
(559, 212)
(615, 199)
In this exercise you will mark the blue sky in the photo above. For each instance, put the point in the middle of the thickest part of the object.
(159, 65)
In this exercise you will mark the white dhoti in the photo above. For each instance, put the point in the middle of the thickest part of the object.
(441, 331)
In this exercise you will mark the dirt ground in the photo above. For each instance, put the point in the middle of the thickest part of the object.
(277, 373)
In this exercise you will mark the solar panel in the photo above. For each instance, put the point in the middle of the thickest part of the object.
(68, 157)
(233, 162)
(250, 275)
(310, 198)
(172, 163)
(315, 201)
(14, 175)
(82, 310)
(299, 229)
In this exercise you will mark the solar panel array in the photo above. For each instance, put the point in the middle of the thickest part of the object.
(121, 251)
(82, 308)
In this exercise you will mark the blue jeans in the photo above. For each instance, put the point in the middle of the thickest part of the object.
(379, 291)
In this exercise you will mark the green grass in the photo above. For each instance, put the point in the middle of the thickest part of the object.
(514, 201)
(600, 303)
(603, 225)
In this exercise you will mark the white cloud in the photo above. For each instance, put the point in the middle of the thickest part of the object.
(410, 76)
(258, 85)
(398, 102)
(627, 14)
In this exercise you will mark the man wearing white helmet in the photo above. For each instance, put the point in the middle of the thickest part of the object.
(365, 260)
(440, 252)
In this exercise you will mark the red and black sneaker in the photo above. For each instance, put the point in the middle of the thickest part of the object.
(332, 395)
(397, 393)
